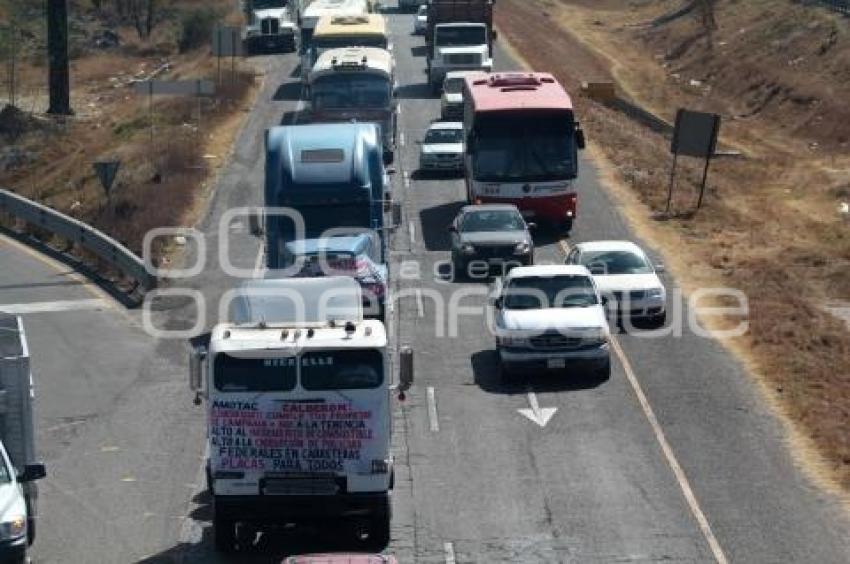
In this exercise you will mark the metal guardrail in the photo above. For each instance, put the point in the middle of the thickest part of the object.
(104, 247)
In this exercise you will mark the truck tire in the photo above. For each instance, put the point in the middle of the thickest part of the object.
(379, 531)
(224, 532)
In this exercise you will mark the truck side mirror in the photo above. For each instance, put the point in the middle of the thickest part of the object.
(33, 472)
(495, 35)
(196, 362)
(255, 222)
(405, 373)
(580, 138)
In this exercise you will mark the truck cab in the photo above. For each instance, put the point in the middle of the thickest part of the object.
(459, 36)
(268, 27)
(298, 411)
(329, 176)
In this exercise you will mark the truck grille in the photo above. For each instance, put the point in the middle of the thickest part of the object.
(463, 59)
(494, 251)
(632, 295)
(270, 26)
(301, 486)
(552, 341)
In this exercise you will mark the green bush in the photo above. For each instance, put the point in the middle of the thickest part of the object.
(196, 27)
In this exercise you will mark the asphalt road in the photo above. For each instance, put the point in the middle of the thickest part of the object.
(674, 459)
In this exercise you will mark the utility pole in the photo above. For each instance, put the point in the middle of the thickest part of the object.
(57, 58)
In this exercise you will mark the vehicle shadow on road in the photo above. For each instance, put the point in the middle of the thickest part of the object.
(547, 234)
(485, 369)
(419, 51)
(288, 92)
(268, 547)
(419, 91)
(435, 223)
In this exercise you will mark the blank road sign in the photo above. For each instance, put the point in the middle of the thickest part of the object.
(176, 87)
(695, 134)
(227, 41)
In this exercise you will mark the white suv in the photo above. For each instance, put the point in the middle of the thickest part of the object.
(550, 317)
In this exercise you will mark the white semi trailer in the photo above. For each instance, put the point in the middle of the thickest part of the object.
(297, 392)
(18, 466)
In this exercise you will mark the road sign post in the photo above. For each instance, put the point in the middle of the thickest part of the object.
(695, 135)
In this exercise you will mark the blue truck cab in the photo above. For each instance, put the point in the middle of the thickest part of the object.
(331, 174)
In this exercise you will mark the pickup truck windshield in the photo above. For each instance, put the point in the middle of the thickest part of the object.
(264, 4)
(501, 220)
(350, 90)
(464, 36)
(342, 370)
(525, 148)
(234, 374)
(550, 292)
(441, 136)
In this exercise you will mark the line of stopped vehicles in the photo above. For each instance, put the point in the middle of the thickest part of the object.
(297, 381)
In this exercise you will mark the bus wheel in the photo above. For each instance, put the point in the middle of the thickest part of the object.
(567, 225)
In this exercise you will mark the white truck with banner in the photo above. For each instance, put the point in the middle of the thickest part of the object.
(18, 467)
(297, 389)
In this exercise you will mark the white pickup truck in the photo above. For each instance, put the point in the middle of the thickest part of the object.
(18, 466)
(297, 388)
(550, 318)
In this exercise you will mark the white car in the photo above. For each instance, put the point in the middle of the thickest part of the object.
(550, 317)
(451, 102)
(442, 147)
(420, 20)
(626, 276)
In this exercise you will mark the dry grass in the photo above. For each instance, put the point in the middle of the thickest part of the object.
(160, 183)
(769, 226)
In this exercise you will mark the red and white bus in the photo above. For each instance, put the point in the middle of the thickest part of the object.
(522, 144)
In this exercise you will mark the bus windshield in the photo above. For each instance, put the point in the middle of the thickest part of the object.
(350, 90)
(320, 42)
(525, 148)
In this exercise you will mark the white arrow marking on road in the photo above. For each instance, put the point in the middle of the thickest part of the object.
(540, 415)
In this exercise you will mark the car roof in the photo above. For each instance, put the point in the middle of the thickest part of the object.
(609, 246)
(488, 207)
(446, 125)
(547, 270)
(343, 244)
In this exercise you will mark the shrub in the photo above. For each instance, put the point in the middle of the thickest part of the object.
(196, 27)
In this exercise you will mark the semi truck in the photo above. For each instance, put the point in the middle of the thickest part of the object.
(297, 390)
(19, 468)
(269, 26)
(459, 36)
(331, 175)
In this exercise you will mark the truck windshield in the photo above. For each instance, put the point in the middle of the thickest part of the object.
(534, 292)
(525, 148)
(350, 90)
(235, 374)
(461, 36)
(264, 4)
(342, 370)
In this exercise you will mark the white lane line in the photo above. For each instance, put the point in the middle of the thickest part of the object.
(406, 176)
(420, 304)
(259, 266)
(672, 462)
(401, 138)
(432, 410)
(412, 232)
(449, 550)
(50, 307)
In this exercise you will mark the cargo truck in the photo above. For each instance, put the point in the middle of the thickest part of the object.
(268, 27)
(19, 468)
(459, 36)
(297, 390)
